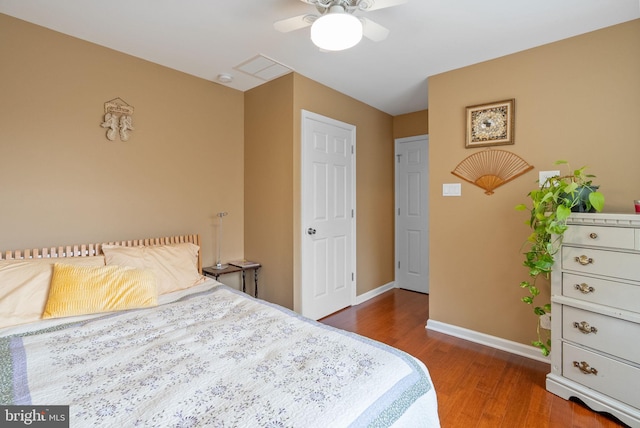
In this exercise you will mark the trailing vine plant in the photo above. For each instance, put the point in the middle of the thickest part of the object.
(551, 206)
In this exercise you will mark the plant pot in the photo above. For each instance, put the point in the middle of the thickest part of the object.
(582, 196)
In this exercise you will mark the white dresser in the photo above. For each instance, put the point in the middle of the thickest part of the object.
(595, 322)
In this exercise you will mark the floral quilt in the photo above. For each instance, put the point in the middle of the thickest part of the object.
(216, 358)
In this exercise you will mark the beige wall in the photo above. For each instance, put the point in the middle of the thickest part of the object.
(268, 165)
(63, 182)
(576, 100)
(272, 184)
(411, 124)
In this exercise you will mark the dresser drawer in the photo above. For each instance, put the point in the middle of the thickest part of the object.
(601, 291)
(600, 236)
(601, 262)
(611, 377)
(603, 333)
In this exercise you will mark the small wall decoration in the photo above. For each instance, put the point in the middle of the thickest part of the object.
(489, 169)
(490, 124)
(118, 119)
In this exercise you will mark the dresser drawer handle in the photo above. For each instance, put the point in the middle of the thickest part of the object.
(584, 260)
(584, 327)
(593, 235)
(584, 288)
(584, 367)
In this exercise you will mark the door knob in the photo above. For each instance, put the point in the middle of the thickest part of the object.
(311, 231)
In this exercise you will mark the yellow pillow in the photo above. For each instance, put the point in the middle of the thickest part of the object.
(79, 290)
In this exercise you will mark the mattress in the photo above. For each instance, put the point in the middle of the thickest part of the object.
(213, 356)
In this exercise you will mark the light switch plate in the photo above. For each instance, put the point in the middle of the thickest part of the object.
(452, 189)
(543, 175)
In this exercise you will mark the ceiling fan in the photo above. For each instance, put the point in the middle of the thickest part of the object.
(335, 27)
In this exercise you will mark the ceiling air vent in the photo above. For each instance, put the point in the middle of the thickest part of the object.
(263, 68)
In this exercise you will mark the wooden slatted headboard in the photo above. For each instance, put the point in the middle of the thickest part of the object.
(87, 250)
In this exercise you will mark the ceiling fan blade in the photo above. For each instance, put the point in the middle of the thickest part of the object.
(378, 4)
(294, 23)
(373, 31)
(320, 4)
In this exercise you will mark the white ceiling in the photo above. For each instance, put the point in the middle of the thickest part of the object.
(208, 37)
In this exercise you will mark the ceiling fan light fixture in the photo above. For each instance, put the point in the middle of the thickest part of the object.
(336, 30)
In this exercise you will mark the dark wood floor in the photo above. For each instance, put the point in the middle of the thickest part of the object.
(477, 386)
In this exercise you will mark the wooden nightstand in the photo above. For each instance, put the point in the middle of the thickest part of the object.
(216, 273)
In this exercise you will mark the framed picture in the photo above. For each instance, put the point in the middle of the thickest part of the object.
(490, 124)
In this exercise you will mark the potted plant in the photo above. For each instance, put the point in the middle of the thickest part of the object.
(551, 205)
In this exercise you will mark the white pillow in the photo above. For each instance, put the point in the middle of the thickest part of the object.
(24, 286)
(175, 265)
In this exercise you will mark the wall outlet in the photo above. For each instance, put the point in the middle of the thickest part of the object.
(545, 321)
(452, 189)
(544, 175)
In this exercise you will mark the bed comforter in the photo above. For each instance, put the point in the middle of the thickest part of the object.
(215, 358)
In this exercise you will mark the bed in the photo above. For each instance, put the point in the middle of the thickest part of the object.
(162, 346)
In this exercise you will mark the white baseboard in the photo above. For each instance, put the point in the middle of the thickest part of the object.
(488, 340)
(466, 334)
(375, 292)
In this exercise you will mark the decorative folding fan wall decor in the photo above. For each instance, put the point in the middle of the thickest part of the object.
(490, 169)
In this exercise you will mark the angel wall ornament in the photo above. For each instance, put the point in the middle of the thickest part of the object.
(118, 119)
(125, 127)
(111, 122)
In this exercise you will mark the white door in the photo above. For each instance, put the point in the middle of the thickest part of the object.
(412, 213)
(327, 215)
